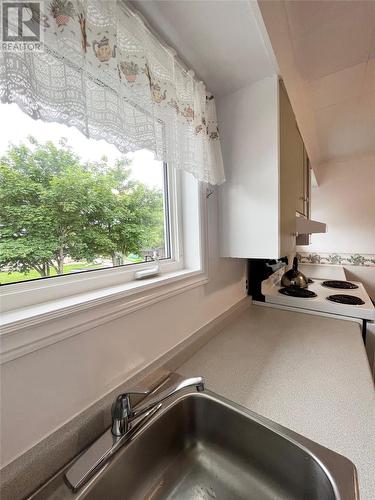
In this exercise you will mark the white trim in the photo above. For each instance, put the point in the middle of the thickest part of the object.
(264, 36)
(19, 335)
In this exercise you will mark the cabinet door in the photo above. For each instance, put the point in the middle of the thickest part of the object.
(303, 200)
(249, 199)
(302, 175)
(306, 185)
(291, 156)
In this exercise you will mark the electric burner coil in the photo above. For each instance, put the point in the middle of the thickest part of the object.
(302, 293)
(344, 285)
(350, 300)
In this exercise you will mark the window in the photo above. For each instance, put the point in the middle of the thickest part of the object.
(78, 219)
(70, 204)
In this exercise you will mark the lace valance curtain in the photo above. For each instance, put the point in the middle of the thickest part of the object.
(102, 71)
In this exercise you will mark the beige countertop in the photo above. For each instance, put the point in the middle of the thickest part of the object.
(305, 372)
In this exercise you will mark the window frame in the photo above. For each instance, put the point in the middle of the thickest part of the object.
(29, 293)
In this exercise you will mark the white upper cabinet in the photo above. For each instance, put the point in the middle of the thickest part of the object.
(265, 162)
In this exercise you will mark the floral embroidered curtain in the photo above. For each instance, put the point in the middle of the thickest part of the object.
(102, 71)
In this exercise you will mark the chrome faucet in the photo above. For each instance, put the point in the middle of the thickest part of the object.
(123, 429)
(123, 412)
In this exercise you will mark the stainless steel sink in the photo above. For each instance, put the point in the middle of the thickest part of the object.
(202, 446)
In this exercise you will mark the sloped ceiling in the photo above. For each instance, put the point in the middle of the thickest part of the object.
(326, 54)
(220, 39)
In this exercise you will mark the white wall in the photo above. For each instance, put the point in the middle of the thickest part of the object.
(345, 200)
(46, 388)
(365, 275)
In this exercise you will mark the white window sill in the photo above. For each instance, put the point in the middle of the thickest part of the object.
(27, 329)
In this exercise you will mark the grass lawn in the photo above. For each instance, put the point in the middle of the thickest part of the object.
(14, 277)
(68, 268)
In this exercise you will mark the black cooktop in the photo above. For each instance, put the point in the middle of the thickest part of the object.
(302, 293)
(344, 285)
(346, 299)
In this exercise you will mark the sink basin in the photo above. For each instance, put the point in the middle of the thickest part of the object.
(200, 446)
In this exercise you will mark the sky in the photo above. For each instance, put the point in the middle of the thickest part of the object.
(16, 126)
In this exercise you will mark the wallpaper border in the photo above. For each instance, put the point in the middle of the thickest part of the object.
(349, 259)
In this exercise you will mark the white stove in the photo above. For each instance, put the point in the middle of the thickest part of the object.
(319, 302)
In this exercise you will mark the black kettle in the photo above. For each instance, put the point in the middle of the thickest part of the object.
(294, 278)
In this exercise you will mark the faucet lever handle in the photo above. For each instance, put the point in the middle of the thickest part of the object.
(122, 406)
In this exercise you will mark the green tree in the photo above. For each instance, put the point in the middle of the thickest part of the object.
(29, 230)
(128, 215)
(53, 206)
